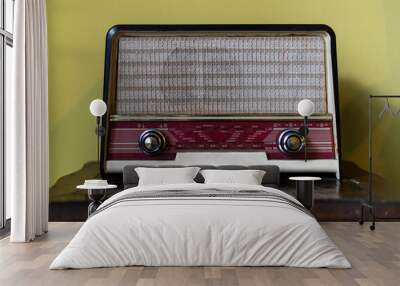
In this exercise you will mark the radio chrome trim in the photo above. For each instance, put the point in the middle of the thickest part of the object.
(280, 117)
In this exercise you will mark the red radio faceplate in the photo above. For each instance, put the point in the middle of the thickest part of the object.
(218, 135)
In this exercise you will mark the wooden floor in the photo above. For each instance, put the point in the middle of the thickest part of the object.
(375, 257)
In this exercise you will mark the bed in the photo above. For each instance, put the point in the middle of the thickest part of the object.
(201, 224)
(220, 95)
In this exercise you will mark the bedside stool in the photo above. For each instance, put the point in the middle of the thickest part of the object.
(96, 195)
(305, 190)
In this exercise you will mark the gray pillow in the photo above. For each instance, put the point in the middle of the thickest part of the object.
(247, 177)
(166, 176)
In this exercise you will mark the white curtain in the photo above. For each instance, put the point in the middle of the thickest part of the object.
(27, 124)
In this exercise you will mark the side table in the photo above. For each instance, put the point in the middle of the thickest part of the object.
(96, 195)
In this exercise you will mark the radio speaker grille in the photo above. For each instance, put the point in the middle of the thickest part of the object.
(173, 75)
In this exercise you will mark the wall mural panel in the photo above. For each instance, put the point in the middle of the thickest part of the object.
(76, 67)
(220, 88)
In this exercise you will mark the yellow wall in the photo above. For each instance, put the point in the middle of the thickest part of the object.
(368, 40)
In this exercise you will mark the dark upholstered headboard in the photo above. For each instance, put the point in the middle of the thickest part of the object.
(271, 177)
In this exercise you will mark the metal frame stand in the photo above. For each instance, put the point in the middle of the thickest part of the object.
(371, 208)
(369, 204)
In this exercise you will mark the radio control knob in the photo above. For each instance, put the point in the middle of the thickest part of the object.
(152, 141)
(290, 141)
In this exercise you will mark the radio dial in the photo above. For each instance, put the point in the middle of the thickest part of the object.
(152, 141)
(290, 141)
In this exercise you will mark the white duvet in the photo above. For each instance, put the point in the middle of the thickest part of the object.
(200, 231)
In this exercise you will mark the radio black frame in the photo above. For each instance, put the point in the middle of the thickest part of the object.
(115, 30)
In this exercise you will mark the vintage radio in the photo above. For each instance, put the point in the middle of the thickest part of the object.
(220, 94)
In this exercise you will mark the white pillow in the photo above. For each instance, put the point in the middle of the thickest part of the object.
(248, 177)
(166, 176)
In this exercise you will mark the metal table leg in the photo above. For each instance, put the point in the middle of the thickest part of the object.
(96, 197)
(305, 193)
